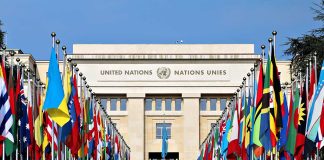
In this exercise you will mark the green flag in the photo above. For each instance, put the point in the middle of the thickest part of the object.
(291, 142)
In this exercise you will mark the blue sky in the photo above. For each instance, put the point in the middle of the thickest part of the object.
(28, 23)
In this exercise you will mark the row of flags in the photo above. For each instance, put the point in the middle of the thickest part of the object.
(66, 122)
(262, 122)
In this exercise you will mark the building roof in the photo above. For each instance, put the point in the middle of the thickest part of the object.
(163, 49)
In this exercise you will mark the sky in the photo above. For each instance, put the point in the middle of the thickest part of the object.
(29, 23)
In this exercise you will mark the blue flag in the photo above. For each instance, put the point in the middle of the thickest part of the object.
(67, 128)
(55, 103)
(283, 133)
(164, 142)
(24, 125)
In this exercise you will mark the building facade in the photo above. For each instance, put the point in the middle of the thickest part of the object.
(182, 86)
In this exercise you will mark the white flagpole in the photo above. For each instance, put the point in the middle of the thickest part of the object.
(53, 40)
(3, 61)
(315, 66)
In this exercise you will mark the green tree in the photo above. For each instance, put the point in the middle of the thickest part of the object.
(1, 35)
(303, 48)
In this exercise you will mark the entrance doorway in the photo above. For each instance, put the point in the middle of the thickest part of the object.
(170, 156)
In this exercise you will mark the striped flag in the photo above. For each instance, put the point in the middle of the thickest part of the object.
(257, 117)
(6, 120)
(313, 124)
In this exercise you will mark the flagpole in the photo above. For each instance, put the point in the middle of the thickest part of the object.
(263, 54)
(81, 104)
(52, 147)
(274, 33)
(19, 147)
(3, 61)
(315, 66)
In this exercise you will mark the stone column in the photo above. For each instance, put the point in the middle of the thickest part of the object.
(136, 128)
(191, 125)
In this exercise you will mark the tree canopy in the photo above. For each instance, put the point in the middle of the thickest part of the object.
(303, 48)
(1, 35)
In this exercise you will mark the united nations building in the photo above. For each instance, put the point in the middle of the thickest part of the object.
(143, 86)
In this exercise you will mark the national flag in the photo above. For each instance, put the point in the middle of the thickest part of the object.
(224, 143)
(10, 147)
(39, 132)
(248, 127)
(293, 117)
(234, 149)
(32, 146)
(310, 145)
(216, 138)
(24, 122)
(116, 148)
(241, 117)
(314, 119)
(277, 95)
(6, 120)
(164, 142)
(283, 133)
(66, 129)
(74, 140)
(50, 129)
(302, 116)
(257, 117)
(265, 114)
(55, 102)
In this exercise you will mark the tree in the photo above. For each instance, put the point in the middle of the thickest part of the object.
(1, 35)
(303, 48)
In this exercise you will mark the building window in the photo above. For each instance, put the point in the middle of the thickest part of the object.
(113, 104)
(178, 104)
(223, 102)
(203, 103)
(148, 104)
(104, 102)
(213, 102)
(158, 104)
(168, 104)
(123, 102)
(159, 127)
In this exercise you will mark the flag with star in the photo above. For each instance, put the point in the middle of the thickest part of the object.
(301, 122)
(24, 123)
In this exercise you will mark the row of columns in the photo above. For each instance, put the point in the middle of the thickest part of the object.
(136, 125)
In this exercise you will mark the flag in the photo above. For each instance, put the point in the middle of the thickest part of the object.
(265, 119)
(24, 122)
(234, 149)
(242, 116)
(248, 126)
(314, 119)
(116, 148)
(9, 145)
(301, 122)
(277, 94)
(224, 140)
(32, 146)
(74, 140)
(310, 145)
(50, 129)
(283, 133)
(55, 102)
(6, 120)
(257, 116)
(164, 142)
(216, 137)
(293, 115)
(39, 133)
